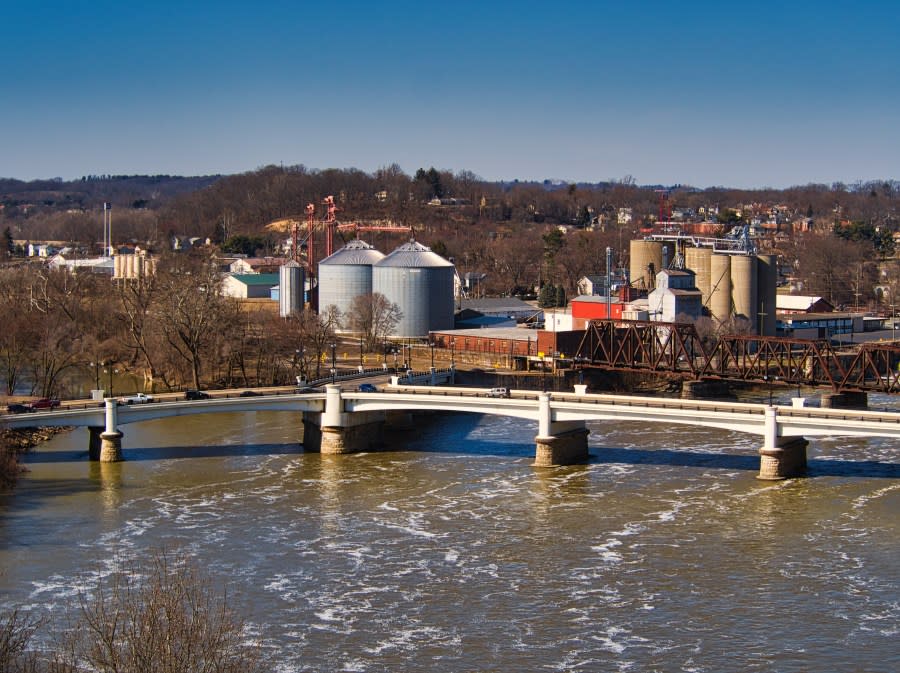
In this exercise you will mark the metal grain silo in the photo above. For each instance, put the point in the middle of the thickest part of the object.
(720, 288)
(290, 289)
(766, 287)
(698, 261)
(420, 282)
(743, 289)
(346, 274)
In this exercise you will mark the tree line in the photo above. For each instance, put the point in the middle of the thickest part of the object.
(175, 329)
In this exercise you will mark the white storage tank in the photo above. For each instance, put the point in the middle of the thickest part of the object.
(346, 274)
(290, 289)
(420, 282)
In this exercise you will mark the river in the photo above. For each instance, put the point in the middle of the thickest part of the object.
(451, 552)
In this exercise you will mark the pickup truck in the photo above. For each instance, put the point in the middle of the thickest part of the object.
(139, 398)
(45, 403)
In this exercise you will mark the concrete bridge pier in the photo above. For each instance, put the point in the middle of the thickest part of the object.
(780, 457)
(110, 450)
(94, 433)
(335, 431)
(848, 399)
(559, 442)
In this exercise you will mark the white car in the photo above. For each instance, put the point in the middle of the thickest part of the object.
(140, 398)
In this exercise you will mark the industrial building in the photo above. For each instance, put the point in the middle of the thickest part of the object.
(733, 281)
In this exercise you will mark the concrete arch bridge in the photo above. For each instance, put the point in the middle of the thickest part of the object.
(337, 421)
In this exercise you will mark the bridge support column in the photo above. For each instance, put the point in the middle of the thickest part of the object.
(780, 457)
(110, 447)
(845, 400)
(94, 433)
(336, 432)
(563, 448)
(785, 461)
(557, 442)
(111, 438)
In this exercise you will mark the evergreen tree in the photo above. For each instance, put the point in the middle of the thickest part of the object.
(547, 296)
(8, 247)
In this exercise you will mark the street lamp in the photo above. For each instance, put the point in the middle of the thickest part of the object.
(96, 366)
(432, 353)
(360, 353)
(543, 373)
(110, 371)
(893, 325)
(452, 353)
(333, 358)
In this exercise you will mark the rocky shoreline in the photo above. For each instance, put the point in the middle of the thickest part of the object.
(24, 439)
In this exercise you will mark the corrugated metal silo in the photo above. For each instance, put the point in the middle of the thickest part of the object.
(420, 282)
(346, 274)
(743, 289)
(698, 261)
(766, 287)
(290, 289)
(720, 287)
(118, 271)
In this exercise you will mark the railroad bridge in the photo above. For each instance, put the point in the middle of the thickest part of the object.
(676, 349)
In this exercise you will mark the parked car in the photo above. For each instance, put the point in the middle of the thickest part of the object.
(17, 408)
(305, 389)
(498, 392)
(139, 398)
(367, 388)
(45, 403)
(249, 393)
(196, 395)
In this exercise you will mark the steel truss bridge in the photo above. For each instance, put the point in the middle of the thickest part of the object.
(676, 349)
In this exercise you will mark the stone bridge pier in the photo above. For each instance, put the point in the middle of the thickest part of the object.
(558, 442)
(780, 457)
(336, 431)
(105, 443)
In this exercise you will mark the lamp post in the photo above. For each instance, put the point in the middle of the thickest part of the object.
(431, 343)
(360, 353)
(452, 353)
(893, 325)
(769, 379)
(543, 373)
(333, 365)
(109, 371)
(96, 366)
(298, 357)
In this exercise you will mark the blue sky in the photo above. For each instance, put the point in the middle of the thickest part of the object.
(704, 93)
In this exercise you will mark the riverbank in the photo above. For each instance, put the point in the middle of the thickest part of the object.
(21, 440)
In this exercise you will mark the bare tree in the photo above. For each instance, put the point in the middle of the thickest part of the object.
(163, 615)
(190, 314)
(16, 633)
(373, 317)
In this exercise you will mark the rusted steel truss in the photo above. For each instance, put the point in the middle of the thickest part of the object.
(676, 349)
